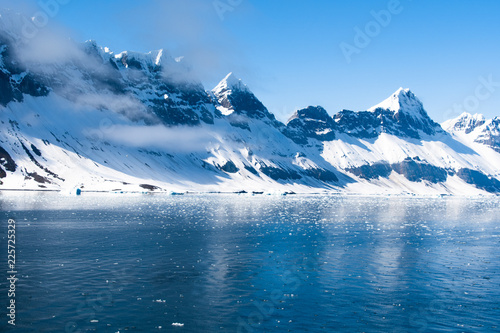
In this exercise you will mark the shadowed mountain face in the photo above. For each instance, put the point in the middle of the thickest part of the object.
(133, 121)
(232, 94)
(234, 99)
(15, 79)
(312, 122)
(412, 169)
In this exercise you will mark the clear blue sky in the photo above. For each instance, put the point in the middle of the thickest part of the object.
(289, 54)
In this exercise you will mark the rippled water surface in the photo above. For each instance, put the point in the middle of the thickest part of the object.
(240, 263)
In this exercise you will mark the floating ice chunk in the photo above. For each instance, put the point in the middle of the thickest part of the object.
(72, 190)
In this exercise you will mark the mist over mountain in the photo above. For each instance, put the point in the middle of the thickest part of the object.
(79, 115)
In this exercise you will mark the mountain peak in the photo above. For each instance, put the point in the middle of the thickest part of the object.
(231, 79)
(402, 99)
(472, 117)
(92, 48)
(466, 122)
(233, 96)
(401, 114)
(150, 59)
(311, 122)
(315, 113)
(402, 90)
(230, 82)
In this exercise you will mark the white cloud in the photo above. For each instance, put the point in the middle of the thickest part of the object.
(175, 139)
(126, 105)
(189, 28)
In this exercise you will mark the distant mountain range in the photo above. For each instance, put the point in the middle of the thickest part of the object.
(91, 119)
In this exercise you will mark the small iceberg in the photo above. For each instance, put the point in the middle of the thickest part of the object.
(72, 190)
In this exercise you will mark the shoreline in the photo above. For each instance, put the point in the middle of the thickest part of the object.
(254, 193)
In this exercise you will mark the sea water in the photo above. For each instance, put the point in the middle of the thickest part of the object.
(242, 263)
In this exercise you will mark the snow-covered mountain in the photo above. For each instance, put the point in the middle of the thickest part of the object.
(402, 115)
(86, 117)
(475, 128)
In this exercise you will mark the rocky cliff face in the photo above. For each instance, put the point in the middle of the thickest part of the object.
(312, 122)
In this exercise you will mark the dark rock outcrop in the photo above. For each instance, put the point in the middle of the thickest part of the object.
(480, 180)
(413, 169)
(312, 122)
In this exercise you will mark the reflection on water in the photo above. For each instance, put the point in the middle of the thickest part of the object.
(229, 263)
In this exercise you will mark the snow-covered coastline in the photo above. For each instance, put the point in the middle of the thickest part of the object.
(131, 122)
